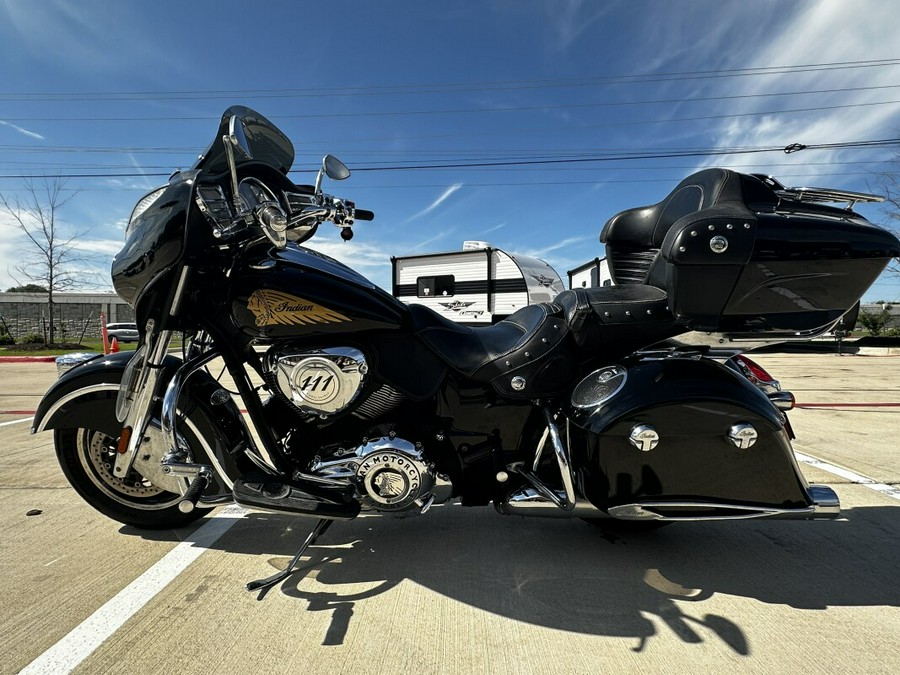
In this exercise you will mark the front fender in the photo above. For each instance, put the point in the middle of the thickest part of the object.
(85, 397)
(80, 397)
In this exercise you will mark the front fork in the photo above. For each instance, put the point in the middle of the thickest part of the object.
(138, 396)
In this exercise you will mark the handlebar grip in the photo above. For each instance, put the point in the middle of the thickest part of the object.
(362, 214)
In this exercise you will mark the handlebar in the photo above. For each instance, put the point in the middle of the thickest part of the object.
(362, 214)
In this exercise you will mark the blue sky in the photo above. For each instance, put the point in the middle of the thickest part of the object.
(125, 87)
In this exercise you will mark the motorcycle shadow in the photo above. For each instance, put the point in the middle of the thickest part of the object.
(567, 575)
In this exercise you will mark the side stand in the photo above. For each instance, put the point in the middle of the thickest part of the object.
(320, 528)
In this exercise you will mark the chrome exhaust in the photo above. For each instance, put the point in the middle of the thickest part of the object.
(529, 502)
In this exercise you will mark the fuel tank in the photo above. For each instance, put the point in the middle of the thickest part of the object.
(298, 292)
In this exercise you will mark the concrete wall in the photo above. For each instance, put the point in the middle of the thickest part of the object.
(26, 313)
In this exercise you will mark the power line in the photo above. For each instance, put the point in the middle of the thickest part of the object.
(455, 87)
(565, 106)
(635, 155)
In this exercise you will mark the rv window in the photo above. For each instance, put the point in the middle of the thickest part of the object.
(429, 287)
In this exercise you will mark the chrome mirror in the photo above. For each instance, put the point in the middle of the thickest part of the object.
(333, 168)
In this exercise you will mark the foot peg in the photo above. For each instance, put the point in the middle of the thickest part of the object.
(272, 493)
(195, 490)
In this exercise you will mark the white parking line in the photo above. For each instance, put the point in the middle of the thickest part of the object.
(883, 488)
(70, 651)
(6, 424)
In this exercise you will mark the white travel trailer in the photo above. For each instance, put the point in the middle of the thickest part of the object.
(478, 285)
(592, 273)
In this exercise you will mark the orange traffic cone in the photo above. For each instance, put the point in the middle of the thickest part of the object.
(113, 346)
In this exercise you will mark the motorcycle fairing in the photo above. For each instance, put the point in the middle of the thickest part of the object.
(691, 404)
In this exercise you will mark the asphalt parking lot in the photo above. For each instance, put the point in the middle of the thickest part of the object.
(466, 590)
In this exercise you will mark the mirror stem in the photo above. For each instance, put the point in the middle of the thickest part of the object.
(230, 142)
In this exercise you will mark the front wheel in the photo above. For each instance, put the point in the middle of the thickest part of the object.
(87, 458)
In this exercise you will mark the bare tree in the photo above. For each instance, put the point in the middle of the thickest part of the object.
(888, 185)
(50, 256)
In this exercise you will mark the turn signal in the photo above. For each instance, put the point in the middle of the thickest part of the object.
(783, 400)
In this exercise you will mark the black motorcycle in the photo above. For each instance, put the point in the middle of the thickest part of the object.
(357, 402)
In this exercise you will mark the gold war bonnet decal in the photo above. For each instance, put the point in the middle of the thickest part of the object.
(274, 307)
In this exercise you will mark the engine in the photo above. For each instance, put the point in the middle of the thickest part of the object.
(320, 382)
(390, 474)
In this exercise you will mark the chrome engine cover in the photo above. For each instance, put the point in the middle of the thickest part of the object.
(390, 474)
(320, 381)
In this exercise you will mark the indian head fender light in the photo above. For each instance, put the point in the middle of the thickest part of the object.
(145, 203)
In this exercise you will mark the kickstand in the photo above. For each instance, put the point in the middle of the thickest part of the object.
(317, 531)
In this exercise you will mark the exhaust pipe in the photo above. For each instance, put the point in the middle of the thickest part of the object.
(528, 502)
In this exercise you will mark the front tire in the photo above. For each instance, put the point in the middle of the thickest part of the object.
(87, 457)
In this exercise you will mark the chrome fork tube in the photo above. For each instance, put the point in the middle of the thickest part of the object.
(135, 423)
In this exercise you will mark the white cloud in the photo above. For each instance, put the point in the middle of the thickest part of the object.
(437, 202)
(816, 32)
(21, 130)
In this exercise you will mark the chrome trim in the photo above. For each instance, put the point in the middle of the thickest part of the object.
(581, 397)
(179, 291)
(817, 194)
(644, 437)
(566, 499)
(299, 373)
(539, 451)
(37, 427)
(562, 459)
(718, 244)
(529, 501)
(742, 435)
(826, 505)
(783, 400)
(139, 414)
(173, 390)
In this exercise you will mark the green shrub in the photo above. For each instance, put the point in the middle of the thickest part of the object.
(6, 339)
(873, 322)
(32, 338)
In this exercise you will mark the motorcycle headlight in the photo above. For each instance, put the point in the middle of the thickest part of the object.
(145, 203)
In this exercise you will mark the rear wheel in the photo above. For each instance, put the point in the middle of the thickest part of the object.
(87, 458)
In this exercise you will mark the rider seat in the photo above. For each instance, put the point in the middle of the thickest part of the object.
(532, 345)
(609, 321)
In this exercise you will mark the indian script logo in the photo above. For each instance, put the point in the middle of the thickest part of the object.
(274, 307)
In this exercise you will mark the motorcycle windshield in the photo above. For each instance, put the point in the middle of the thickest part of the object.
(257, 140)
